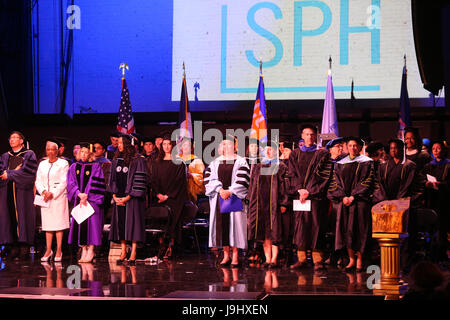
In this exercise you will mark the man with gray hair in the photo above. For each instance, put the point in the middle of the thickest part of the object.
(17, 215)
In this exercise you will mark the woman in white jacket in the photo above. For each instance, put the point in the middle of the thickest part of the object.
(51, 183)
(227, 177)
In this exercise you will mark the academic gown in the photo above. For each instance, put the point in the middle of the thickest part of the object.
(238, 219)
(170, 179)
(438, 200)
(136, 186)
(307, 224)
(267, 193)
(395, 181)
(86, 177)
(353, 223)
(17, 213)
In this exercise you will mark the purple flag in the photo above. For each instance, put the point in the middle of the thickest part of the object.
(329, 118)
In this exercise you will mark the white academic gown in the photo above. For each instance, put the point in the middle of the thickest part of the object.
(52, 177)
(239, 187)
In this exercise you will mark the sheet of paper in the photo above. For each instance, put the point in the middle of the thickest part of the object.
(39, 201)
(298, 206)
(81, 213)
(431, 178)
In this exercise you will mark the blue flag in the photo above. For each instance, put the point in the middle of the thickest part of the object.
(404, 116)
(329, 118)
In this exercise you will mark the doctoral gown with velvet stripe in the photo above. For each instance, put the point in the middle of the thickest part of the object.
(352, 177)
(17, 213)
(135, 208)
(239, 187)
(267, 193)
(86, 177)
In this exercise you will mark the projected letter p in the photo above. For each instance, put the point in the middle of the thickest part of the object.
(299, 33)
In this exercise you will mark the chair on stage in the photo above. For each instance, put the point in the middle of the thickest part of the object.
(427, 227)
(190, 221)
(156, 222)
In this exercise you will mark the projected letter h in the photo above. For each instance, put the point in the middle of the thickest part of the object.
(346, 30)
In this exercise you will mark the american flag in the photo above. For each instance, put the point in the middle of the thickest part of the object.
(125, 120)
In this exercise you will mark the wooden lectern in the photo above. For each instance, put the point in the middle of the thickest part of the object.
(389, 226)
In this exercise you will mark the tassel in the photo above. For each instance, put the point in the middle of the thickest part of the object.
(28, 146)
(90, 147)
(132, 141)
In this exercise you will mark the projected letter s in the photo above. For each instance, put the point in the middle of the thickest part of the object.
(74, 20)
(264, 33)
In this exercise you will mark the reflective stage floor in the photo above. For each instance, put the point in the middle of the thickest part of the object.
(191, 276)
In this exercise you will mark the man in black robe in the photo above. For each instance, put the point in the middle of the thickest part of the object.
(307, 224)
(319, 184)
(397, 176)
(17, 215)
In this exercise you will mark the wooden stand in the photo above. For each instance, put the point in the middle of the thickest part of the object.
(389, 285)
(389, 225)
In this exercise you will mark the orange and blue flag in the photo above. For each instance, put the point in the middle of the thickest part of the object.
(259, 121)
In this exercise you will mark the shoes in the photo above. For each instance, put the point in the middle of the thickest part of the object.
(359, 270)
(235, 265)
(350, 269)
(273, 265)
(168, 254)
(58, 259)
(131, 262)
(224, 264)
(299, 265)
(48, 258)
(120, 261)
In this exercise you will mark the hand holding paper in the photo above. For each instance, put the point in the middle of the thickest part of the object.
(81, 213)
(39, 201)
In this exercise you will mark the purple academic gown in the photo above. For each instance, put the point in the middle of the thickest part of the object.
(21, 181)
(86, 177)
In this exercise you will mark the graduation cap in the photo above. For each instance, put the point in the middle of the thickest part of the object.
(333, 142)
(115, 134)
(356, 139)
(308, 126)
(62, 141)
(137, 139)
(148, 139)
(87, 145)
(373, 147)
(53, 140)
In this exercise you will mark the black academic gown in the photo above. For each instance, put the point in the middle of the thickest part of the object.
(307, 224)
(136, 187)
(170, 179)
(438, 200)
(267, 193)
(395, 181)
(17, 213)
(353, 223)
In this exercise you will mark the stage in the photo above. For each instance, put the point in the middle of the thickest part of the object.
(187, 277)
